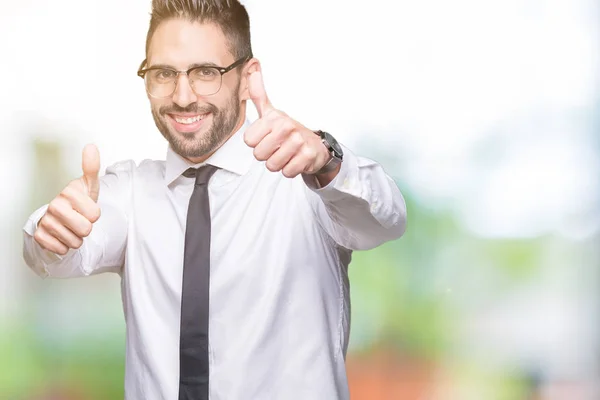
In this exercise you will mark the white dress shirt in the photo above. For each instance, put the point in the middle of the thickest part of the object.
(280, 250)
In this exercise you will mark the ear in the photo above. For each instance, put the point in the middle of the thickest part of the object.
(251, 66)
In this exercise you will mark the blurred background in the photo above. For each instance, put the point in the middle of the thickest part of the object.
(487, 114)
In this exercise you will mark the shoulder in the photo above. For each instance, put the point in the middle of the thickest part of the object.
(121, 177)
(131, 168)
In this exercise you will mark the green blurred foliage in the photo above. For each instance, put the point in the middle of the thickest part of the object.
(31, 367)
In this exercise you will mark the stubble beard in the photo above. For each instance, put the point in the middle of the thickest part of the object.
(193, 145)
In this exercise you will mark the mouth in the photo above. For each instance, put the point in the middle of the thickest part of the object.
(187, 123)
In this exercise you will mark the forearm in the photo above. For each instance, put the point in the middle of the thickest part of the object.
(361, 207)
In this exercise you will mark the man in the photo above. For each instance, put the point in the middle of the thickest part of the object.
(233, 252)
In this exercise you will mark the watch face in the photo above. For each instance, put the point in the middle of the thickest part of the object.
(335, 146)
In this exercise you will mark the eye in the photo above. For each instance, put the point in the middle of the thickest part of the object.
(163, 75)
(204, 73)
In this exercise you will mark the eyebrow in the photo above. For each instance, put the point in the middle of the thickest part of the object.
(196, 65)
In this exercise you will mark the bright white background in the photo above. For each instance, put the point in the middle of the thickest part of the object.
(431, 81)
(488, 108)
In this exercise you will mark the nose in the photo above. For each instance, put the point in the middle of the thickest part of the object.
(184, 95)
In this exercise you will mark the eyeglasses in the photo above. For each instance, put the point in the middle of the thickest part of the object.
(205, 80)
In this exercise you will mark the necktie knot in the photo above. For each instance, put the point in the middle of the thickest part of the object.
(201, 174)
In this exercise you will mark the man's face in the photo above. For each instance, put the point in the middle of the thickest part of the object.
(195, 126)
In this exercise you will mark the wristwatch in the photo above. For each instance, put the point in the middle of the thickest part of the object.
(334, 148)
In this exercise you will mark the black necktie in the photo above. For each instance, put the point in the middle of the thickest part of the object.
(193, 346)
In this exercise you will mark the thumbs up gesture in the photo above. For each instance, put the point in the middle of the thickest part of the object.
(70, 215)
(284, 144)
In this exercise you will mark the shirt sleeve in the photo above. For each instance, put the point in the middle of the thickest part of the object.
(362, 207)
(104, 249)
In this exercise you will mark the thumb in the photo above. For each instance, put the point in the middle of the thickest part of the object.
(90, 165)
(258, 94)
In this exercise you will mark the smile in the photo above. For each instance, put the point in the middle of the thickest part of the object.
(188, 123)
(188, 120)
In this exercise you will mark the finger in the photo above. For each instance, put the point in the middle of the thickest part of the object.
(273, 141)
(61, 209)
(60, 232)
(288, 150)
(257, 131)
(49, 242)
(90, 164)
(300, 163)
(82, 203)
(258, 94)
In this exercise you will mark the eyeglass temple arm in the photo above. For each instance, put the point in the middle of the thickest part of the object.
(141, 71)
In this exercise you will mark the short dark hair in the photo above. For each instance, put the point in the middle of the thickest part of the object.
(230, 15)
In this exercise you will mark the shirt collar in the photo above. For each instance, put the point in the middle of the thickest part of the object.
(234, 156)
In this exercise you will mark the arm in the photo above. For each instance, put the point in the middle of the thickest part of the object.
(102, 250)
(359, 206)
(362, 207)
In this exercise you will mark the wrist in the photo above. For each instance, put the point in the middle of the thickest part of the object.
(333, 151)
(325, 178)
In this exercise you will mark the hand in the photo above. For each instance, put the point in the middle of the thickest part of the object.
(70, 215)
(283, 143)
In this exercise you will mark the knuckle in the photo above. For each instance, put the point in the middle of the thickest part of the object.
(95, 214)
(248, 139)
(258, 154)
(48, 226)
(47, 220)
(297, 138)
(38, 237)
(77, 243)
(68, 191)
(309, 153)
(288, 173)
(59, 205)
(86, 229)
(53, 207)
(43, 223)
(272, 166)
(289, 124)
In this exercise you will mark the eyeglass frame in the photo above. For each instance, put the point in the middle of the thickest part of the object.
(222, 70)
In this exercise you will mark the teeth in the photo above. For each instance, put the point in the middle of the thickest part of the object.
(188, 121)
